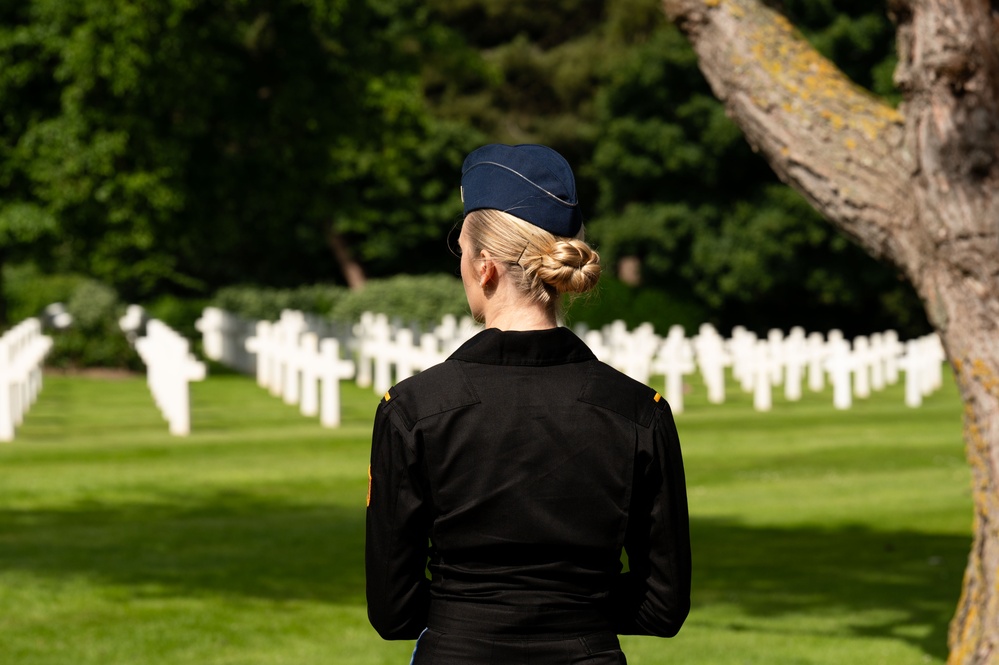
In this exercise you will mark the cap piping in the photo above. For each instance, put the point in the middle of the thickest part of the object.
(526, 179)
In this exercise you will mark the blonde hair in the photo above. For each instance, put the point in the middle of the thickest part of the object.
(543, 266)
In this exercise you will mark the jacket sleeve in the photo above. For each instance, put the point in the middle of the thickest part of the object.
(653, 597)
(397, 529)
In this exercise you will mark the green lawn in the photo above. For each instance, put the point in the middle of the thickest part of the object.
(819, 536)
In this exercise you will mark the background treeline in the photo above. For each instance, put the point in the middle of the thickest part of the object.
(171, 150)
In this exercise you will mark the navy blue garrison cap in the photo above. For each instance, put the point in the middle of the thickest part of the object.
(532, 182)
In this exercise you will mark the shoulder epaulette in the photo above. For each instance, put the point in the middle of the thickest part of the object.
(436, 390)
(622, 395)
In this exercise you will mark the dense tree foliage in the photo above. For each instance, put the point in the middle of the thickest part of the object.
(184, 146)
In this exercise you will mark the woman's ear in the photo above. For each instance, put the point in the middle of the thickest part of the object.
(487, 268)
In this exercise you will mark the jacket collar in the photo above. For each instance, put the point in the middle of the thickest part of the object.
(556, 346)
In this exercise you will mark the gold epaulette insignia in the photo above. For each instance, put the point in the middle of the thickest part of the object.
(657, 397)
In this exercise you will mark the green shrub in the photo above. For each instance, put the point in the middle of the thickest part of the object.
(264, 303)
(94, 339)
(613, 300)
(422, 299)
(181, 314)
(28, 291)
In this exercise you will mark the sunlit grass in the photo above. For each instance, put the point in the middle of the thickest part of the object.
(819, 536)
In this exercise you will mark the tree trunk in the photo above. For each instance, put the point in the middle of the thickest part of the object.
(916, 187)
(353, 272)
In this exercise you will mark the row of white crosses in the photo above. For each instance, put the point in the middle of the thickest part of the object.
(223, 339)
(170, 367)
(388, 353)
(923, 366)
(293, 363)
(641, 353)
(759, 365)
(22, 351)
(299, 357)
(854, 370)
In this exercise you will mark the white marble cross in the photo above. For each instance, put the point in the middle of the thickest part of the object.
(863, 358)
(775, 338)
(816, 352)
(332, 370)
(22, 350)
(170, 367)
(674, 360)
(742, 346)
(839, 364)
(223, 339)
(762, 369)
(635, 351)
(912, 363)
(712, 358)
(795, 360)
(263, 346)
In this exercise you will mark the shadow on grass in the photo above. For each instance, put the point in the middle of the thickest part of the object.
(900, 585)
(224, 544)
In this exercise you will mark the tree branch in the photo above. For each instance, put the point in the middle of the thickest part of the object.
(834, 142)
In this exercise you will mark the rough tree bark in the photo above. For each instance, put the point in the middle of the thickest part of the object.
(917, 187)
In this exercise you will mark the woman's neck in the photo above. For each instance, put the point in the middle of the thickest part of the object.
(507, 309)
(521, 318)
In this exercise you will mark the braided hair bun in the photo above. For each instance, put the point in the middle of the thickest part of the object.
(569, 266)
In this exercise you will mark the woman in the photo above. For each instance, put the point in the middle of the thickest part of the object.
(521, 467)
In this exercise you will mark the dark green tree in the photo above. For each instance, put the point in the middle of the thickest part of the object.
(523, 72)
(179, 146)
(25, 222)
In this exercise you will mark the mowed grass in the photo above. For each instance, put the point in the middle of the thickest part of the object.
(819, 536)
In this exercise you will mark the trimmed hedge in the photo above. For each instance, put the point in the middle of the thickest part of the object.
(422, 299)
(614, 300)
(28, 291)
(264, 303)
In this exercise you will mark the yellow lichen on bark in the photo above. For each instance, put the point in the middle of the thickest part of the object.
(834, 119)
(870, 128)
(983, 375)
(964, 627)
(798, 75)
(973, 434)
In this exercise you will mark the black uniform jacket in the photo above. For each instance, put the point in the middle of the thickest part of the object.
(520, 467)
